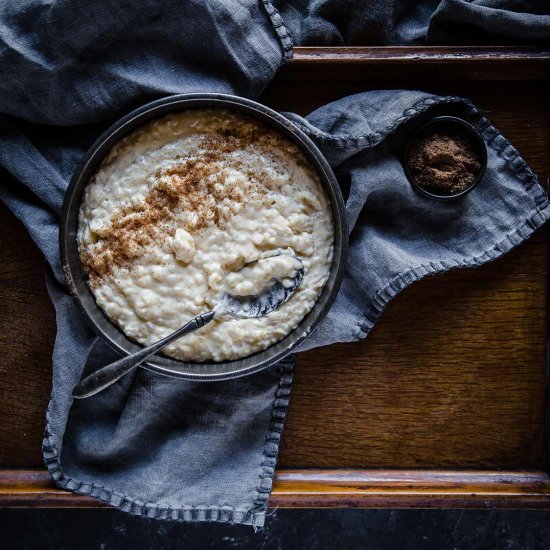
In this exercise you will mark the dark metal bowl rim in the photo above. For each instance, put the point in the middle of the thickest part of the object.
(76, 279)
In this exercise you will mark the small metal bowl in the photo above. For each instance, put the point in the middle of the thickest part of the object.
(446, 123)
(77, 281)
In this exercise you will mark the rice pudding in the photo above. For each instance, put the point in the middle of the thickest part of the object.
(179, 206)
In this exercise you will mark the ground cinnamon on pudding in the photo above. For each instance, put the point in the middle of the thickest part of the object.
(187, 186)
(444, 162)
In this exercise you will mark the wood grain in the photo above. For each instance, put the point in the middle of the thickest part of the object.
(334, 488)
(453, 376)
(27, 324)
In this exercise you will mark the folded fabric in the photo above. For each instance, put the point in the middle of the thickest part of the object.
(398, 22)
(171, 449)
(478, 22)
(396, 236)
(73, 62)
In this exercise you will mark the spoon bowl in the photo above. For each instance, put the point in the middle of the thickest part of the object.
(275, 294)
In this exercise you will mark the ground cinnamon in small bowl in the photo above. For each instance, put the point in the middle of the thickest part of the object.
(446, 158)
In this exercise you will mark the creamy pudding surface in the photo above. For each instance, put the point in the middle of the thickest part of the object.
(179, 206)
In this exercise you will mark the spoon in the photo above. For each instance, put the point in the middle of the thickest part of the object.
(243, 307)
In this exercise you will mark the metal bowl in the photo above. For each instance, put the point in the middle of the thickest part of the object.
(77, 281)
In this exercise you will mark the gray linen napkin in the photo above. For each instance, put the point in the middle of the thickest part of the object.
(171, 449)
(396, 236)
(398, 22)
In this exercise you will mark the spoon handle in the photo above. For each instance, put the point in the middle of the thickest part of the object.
(104, 377)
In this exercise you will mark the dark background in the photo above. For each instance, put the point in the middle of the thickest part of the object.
(106, 529)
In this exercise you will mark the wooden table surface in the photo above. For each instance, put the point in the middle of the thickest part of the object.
(453, 377)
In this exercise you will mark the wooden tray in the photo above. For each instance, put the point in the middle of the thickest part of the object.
(444, 405)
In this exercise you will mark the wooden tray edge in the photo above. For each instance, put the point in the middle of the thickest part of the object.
(419, 54)
(424, 63)
(334, 489)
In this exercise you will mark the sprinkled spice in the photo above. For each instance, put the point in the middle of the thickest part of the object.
(190, 186)
(444, 161)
